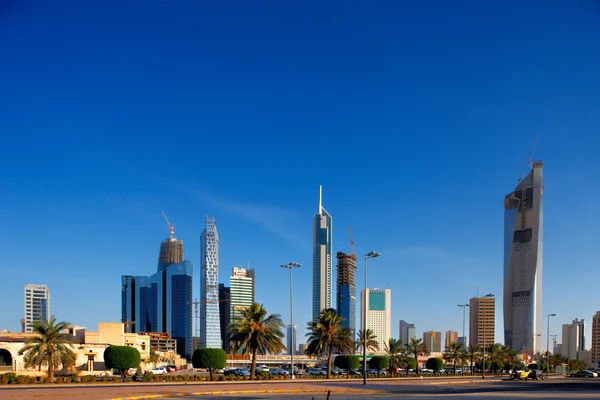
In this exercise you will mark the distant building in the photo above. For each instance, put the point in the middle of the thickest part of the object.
(523, 253)
(171, 251)
(225, 315)
(302, 348)
(482, 321)
(322, 254)
(595, 351)
(291, 336)
(210, 321)
(241, 284)
(451, 337)
(407, 332)
(573, 338)
(37, 305)
(433, 341)
(378, 318)
(346, 290)
(462, 340)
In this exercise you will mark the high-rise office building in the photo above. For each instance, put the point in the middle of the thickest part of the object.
(346, 290)
(595, 350)
(451, 337)
(379, 312)
(225, 314)
(482, 321)
(523, 244)
(322, 268)
(407, 332)
(37, 305)
(161, 302)
(433, 341)
(573, 338)
(291, 338)
(210, 322)
(241, 284)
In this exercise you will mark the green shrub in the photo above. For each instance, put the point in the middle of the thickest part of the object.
(60, 379)
(379, 362)
(534, 366)
(147, 377)
(221, 378)
(115, 378)
(105, 378)
(21, 380)
(10, 377)
(210, 359)
(347, 362)
(435, 363)
(74, 378)
(122, 358)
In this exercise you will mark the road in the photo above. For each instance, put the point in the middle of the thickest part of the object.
(447, 388)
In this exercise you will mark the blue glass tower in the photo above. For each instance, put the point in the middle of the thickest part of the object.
(322, 268)
(210, 322)
(346, 290)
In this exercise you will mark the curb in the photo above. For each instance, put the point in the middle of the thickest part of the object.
(226, 392)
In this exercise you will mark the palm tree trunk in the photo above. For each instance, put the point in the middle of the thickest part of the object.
(329, 361)
(253, 367)
(211, 373)
(50, 370)
(417, 362)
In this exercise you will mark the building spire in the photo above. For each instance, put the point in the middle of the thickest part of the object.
(320, 199)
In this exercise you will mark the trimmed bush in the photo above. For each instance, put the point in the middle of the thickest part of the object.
(534, 366)
(209, 358)
(60, 379)
(379, 363)
(435, 363)
(74, 378)
(347, 362)
(105, 378)
(122, 358)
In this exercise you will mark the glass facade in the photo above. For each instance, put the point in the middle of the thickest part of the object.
(224, 311)
(179, 306)
(241, 286)
(347, 307)
(36, 305)
(210, 322)
(322, 263)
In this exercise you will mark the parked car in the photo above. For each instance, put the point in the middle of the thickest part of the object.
(520, 375)
(584, 374)
(171, 368)
(159, 371)
(237, 372)
(279, 371)
(262, 368)
(317, 371)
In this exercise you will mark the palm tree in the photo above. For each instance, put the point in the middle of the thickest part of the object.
(497, 356)
(393, 348)
(372, 343)
(50, 346)
(255, 332)
(416, 347)
(511, 357)
(455, 353)
(327, 336)
(473, 354)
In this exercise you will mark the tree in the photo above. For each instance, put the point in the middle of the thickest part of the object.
(327, 336)
(473, 354)
(409, 362)
(253, 332)
(575, 365)
(49, 346)
(488, 364)
(416, 347)
(153, 355)
(393, 349)
(497, 356)
(122, 358)
(372, 343)
(210, 359)
(379, 363)
(511, 358)
(347, 362)
(435, 363)
(455, 353)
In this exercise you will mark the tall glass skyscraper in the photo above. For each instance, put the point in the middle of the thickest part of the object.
(346, 290)
(523, 245)
(322, 269)
(210, 324)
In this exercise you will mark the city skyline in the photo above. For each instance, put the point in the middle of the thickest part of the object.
(249, 110)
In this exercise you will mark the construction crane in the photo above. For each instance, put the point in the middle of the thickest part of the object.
(519, 177)
(532, 153)
(351, 240)
(171, 227)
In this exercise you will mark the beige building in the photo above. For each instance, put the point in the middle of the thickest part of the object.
(379, 314)
(433, 341)
(451, 337)
(89, 347)
(482, 320)
(595, 350)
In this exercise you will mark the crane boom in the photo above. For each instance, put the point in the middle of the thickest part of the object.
(171, 227)
(351, 240)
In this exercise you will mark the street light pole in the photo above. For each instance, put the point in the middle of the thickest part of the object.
(483, 341)
(548, 344)
(464, 307)
(291, 266)
(372, 254)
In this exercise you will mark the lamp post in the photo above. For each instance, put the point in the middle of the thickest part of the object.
(483, 341)
(464, 307)
(371, 254)
(291, 266)
(548, 344)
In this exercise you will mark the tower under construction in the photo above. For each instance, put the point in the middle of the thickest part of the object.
(171, 249)
(346, 289)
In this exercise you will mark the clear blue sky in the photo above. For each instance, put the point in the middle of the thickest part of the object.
(414, 116)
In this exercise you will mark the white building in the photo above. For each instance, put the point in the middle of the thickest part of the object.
(241, 291)
(210, 321)
(573, 338)
(37, 305)
(379, 313)
(322, 262)
(407, 331)
(292, 334)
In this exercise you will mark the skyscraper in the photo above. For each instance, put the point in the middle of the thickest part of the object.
(433, 341)
(171, 249)
(346, 290)
(407, 332)
(241, 284)
(210, 323)
(291, 344)
(482, 321)
(322, 269)
(595, 350)
(573, 338)
(37, 305)
(378, 313)
(451, 337)
(225, 314)
(523, 244)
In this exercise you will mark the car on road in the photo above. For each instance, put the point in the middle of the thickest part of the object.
(584, 374)
(236, 372)
(520, 375)
(159, 371)
(171, 368)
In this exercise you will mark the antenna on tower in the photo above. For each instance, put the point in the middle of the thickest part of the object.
(171, 227)
(533, 152)
(351, 240)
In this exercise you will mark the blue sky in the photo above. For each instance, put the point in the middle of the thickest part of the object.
(414, 116)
